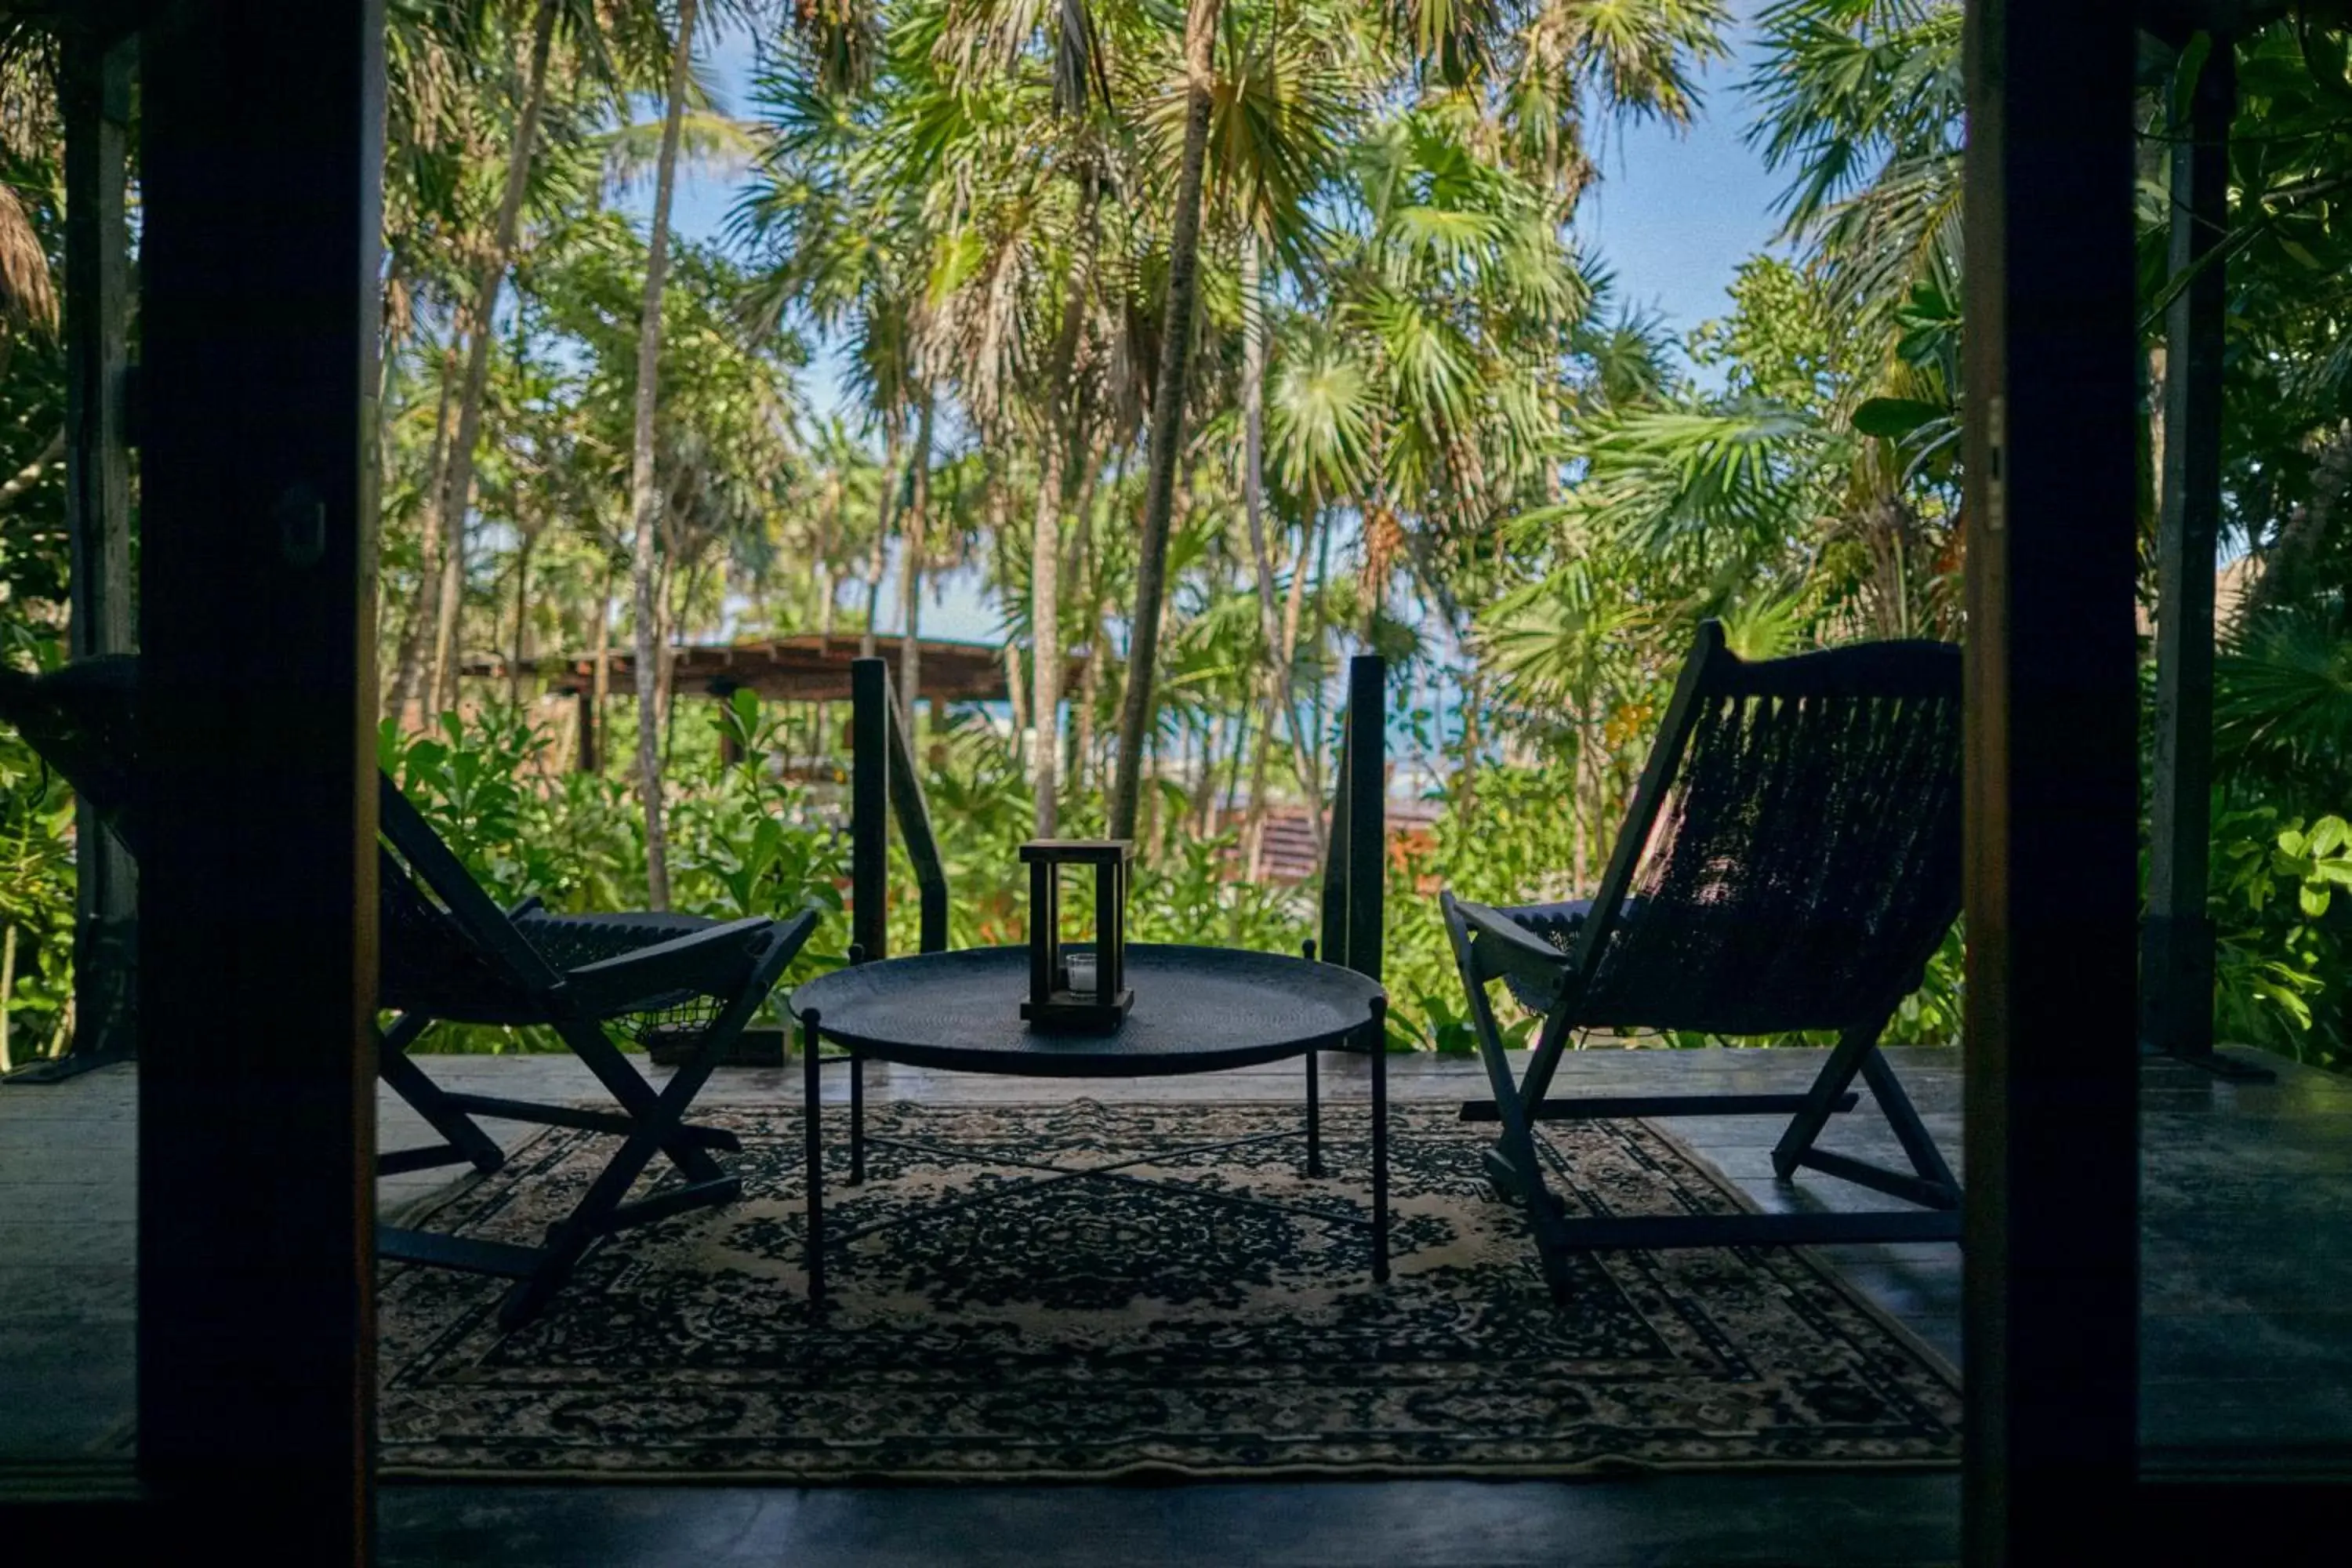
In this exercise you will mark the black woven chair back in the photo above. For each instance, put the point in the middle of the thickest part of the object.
(445, 948)
(1794, 857)
(83, 721)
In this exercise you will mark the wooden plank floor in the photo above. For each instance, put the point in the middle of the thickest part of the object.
(2247, 1335)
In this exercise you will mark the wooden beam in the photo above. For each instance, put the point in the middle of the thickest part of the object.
(263, 142)
(2052, 1223)
(2176, 950)
(97, 113)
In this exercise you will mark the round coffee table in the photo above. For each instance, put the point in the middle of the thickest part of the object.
(1197, 1009)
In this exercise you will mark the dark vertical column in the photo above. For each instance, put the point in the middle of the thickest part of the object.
(2177, 951)
(585, 698)
(1366, 782)
(262, 151)
(97, 104)
(869, 807)
(2052, 1062)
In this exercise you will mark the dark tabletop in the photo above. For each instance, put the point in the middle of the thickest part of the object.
(1197, 1009)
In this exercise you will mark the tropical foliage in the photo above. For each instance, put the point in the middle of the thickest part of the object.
(1209, 343)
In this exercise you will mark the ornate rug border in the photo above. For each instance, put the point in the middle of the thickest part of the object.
(1156, 1473)
(1936, 1361)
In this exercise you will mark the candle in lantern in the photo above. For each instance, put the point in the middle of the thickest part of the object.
(1080, 990)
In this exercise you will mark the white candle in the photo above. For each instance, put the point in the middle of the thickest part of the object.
(1082, 973)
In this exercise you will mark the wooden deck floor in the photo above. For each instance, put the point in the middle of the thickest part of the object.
(2247, 1336)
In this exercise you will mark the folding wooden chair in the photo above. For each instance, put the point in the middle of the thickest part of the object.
(448, 953)
(1791, 861)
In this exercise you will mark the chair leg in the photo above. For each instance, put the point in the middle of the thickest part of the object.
(629, 1087)
(428, 1099)
(812, 1152)
(656, 1133)
(1903, 1116)
(1820, 1100)
(1929, 1182)
(1514, 1163)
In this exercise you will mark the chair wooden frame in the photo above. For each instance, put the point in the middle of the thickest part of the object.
(1488, 944)
(82, 718)
(739, 962)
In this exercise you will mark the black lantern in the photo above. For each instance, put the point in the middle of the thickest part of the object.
(1095, 997)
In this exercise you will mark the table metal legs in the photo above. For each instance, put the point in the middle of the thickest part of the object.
(1376, 1043)
(856, 1118)
(1313, 1119)
(814, 1132)
(1377, 1034)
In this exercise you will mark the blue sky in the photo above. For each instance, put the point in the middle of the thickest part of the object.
(1673, 218)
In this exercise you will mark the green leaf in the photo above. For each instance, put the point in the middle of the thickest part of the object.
(2329, 834)
(1892, 418)
(2313, 899)
(2185, 72)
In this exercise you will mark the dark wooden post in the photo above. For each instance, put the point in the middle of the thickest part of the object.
(2177, 949)
(97, 104)
(869, 807)
(1365, 782)
(585, 700)
(262, 148)
(730, 752)
(2052, 1309)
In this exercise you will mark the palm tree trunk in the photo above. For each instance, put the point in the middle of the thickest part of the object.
(458, 498)
(915, 543)
(1167, 419)
(1303, 757)
(1466, 781)
(1311, 758)
(880, 559)
(1079, 472)
(1261, 557)
(521, 610)
(408, 680)
(830, 537)
(601, 690)
(7, 991)
(645, 498)
(1045, 641)
(1089, 574)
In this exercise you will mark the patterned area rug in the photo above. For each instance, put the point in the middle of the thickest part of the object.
(1101, 1328)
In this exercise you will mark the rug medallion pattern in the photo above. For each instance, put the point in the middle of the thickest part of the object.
(1114, 1327)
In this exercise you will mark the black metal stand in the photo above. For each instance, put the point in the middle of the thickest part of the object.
(813, 1140)
(1377, 1042)
(1314, 1094)
(821, 1241)
(856, 1119)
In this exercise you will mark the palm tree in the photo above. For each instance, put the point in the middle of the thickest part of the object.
(456, 494)
(1167, 414)
(645, 499)
(605, 41)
